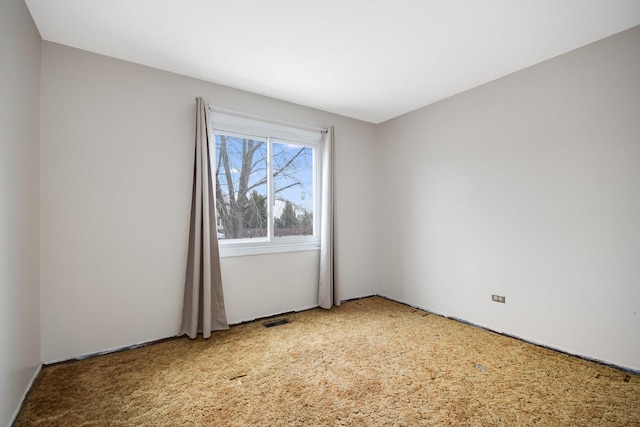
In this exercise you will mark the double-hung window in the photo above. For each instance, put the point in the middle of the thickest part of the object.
(267, 185)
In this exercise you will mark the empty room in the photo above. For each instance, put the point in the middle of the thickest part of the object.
(341, 213)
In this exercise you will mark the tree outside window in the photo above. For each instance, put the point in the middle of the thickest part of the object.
(255, 174)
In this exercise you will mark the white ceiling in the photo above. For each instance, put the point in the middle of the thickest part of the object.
(367, 59)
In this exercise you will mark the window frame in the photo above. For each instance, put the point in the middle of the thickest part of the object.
(242, 126)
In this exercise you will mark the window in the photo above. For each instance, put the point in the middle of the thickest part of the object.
(266, 186)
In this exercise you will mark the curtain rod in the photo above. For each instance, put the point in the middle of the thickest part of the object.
(265, 119)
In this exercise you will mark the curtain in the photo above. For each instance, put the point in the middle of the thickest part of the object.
(327, 291)
(203, 304)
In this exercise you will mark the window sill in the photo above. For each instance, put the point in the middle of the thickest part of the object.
(264, 248)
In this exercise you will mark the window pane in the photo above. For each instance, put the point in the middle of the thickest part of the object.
(241, 187)
(293, 190)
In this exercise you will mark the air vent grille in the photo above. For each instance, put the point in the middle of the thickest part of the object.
(278, 322)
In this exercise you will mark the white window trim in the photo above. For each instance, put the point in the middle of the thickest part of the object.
(244, 126)
(242, 248)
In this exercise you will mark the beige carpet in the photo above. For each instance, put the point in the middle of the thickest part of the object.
(370, 362)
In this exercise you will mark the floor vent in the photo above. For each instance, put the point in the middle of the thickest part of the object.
(273, 323)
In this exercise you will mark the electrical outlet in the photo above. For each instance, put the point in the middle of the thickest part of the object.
(498, 298)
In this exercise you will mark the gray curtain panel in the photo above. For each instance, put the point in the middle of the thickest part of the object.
(203, 305)
(328, 294)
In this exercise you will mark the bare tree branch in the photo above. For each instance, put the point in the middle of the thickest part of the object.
(276, 173)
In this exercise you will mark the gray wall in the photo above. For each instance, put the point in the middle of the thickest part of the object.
(19, 205)
(116, 172)
(527, 187)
